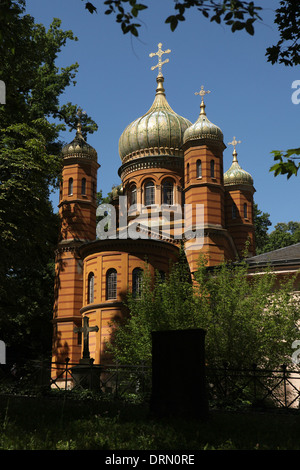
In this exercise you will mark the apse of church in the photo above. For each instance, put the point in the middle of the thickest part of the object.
(168, 164)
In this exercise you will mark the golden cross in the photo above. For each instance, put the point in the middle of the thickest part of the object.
(159, 53)
(234, 142)
(202, 93)
(79, 114)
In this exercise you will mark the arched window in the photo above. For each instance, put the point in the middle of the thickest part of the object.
(245, 211)
(188, 173)
(83, 186)
(212, 168)
(234, 211)
(167, 193)
(199, 169)
(149, 193)
(91, 283)
(70, 189)
(133, 198)
(137, 276)
(111, 284)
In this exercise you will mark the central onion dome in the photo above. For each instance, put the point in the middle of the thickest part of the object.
(158, 132)
(203, 128)
(236, 175)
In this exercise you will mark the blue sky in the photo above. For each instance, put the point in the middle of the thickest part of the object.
(249, 99)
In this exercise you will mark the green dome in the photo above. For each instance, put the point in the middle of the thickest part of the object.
(236, 175)
(158, 132)
(79, 147)
(203, 129)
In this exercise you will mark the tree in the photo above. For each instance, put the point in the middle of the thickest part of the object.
(284, 234)
(30, 164)
(261, 224)
(247, 320)
(239, 15)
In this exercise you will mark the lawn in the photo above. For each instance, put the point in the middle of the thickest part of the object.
(64, 423)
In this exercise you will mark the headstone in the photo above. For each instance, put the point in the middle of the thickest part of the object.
(85, 374)
(178, 374)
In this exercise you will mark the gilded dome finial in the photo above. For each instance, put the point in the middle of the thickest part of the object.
(234, 143)
(202, 93)
(159, 53)
(79, 114)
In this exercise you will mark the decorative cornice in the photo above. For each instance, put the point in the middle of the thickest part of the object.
(108, 304)
(149, 162)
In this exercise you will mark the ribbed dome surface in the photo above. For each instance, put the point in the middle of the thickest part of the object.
(158, 132)
(203, 129)
(236, 175)
(79, 147)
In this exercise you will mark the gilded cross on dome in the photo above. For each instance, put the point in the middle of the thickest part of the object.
(159, 53)
(79, 114)
(234, 142)
(202, 93)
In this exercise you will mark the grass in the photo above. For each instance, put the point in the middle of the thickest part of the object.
(63, 423)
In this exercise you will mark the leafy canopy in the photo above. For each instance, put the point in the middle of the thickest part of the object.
(246, 319)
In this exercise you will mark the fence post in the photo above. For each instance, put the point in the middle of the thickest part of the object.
(284, 383)
(225, 364)
(66, 379)
(254, 366)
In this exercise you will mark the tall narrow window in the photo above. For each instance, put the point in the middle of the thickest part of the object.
(137, 276)
(234, 211)
(167, 196)
(83, 186)
(212, 168)
(111, 284)
(188, 173)
(93, 190)
(70, 190)
(133, 195)
(199, 169)
(149, 193)
(91, 284)
(245, 211)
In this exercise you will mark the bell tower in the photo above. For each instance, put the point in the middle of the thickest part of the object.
(239, 191)
(203, 186)
(77, 210)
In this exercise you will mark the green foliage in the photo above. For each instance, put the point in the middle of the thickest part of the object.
(284, 234)
(247, 320)
(285, 163)
(288, 20)
(261, 224)
(70, 424)
(30, 164)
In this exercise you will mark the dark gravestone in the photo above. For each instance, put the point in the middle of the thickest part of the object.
(178, 374)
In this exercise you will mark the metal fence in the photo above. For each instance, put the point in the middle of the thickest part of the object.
(225, 386)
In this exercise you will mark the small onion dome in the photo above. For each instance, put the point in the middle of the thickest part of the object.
(203, 129)
(158, 132)
(236, 175)
(116, 192)
(79, 147)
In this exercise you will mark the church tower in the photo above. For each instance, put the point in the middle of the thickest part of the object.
(239, 192)
(203, 187)
(77, 211)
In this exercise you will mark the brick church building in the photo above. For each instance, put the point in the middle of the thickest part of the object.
(167, 164)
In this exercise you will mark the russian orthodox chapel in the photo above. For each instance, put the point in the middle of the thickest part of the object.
(166, 161)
